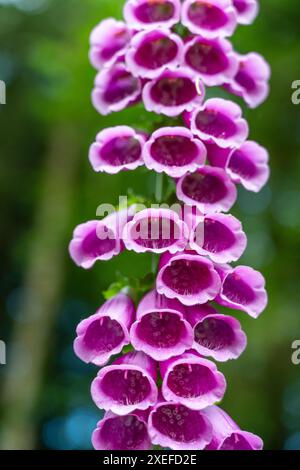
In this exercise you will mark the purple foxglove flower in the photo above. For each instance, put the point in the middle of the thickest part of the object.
(227, 435)
(105, 333)
(99, 240)
(220, 121)
(247, 10)
(115, 89)
(252, 79)
(109, 41)
(161, 330)
(210, 189)
(156, 231)
(126, 385)
(174, 151)
(192, 381)
(143, 14)
(116, 149)
(249, 166)
(187, 277)
(151, 51)
(174, 91)
(209, 18)
(243, 288)
(178, 427)
(224, 238)
(215, 335)
(212, 59)
(122, 432)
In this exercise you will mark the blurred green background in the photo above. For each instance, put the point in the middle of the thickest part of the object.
(47, 187)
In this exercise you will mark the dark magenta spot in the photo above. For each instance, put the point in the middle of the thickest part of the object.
(214, 334)
(124, 433)
(191, 380)
(207, 16)
(216, 124)
(161, 330)
(187, 277)
(121, 151)
(206, 58)
(103, 335)
(154, 11)
(173, 91)
(204, 188)
(237, 290)
(156, 51)
(174, 150)
(128, 387)
(217, 236)
(121, 85)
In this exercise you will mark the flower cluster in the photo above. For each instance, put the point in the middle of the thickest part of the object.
(164, 391)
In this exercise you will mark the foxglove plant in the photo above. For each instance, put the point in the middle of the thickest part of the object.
(157, 380)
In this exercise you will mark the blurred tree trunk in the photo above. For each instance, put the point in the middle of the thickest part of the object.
(43, 280)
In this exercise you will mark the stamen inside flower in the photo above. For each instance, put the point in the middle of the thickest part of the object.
(173, 91)
(236, 442)
(103, 335)
(128, 387)
(214, 334)
(215, 123)
(241, 165)
(121, 151)
(124, 433)
(161, 330)
(191, 380)
(98, 242)
(207, 16)
(206, 58)
(121, 85)
(217, 236)
(237, 290)
(156, 51)
(204, 188)
(174, 421)
(174, 150)
(187, 277)
(154, 11)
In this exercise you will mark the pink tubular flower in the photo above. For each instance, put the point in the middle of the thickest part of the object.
(116, 149)
(212, 59)
(105, 333)
(187, 277)
(243, 288)
(143, 14)
(122, 432)
(209, 18)
(174, 91)
(161, 330)
(227, 435)
(109, 40)
(151, 51)
(252, 79)
(115, 89)
(192, 381)
(156, 231)
(174, 151)
(247, 10)
(248, 165)
(224, 238)
(99, 240)
(215, 335)
(209, 189)
(126, 385)
(178, 427)
(220, 121)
